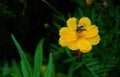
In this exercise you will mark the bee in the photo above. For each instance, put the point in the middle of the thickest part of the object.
(79, 27)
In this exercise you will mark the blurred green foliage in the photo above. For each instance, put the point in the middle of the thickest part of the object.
(102, 61)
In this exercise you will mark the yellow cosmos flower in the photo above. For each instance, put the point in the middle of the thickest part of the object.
(79, 35)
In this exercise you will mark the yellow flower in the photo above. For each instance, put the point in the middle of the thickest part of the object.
(79, 35)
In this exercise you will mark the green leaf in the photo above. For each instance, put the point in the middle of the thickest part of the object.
(38, 58)
(94, 62)
(91, 63)
(93, 16)
(50, 68)
(94, 74)
(6, 70)
(80, 64)
(56, 25)
(69, 15)
(69, 53)
(16, 70)
(26, 69)
(78, 13)
(60, 17)
(71, 68)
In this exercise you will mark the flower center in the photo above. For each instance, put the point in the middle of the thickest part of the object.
(79, 31)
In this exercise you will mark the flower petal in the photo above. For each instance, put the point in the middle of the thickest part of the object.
(73, 45)
(64, 30)
(68, 34)
(62, 42)
(94, 40)
(72, 23)
(84, 21)
(91, 31)
(84, 46)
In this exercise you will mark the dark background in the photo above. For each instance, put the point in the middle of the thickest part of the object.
(26, 22)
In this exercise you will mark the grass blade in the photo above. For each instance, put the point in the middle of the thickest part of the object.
(38, 59)
(16, 70)
(26, 69)
(50, 69)
(6, 70)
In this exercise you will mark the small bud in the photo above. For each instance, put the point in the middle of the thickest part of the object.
(89, 2)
